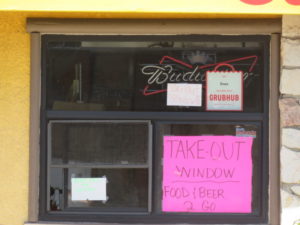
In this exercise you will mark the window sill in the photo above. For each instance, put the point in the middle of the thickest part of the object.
(71, 223)
(91, 223)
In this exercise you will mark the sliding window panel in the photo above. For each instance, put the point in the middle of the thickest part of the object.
(103, 166)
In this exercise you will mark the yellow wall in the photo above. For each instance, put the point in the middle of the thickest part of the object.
(14, 105)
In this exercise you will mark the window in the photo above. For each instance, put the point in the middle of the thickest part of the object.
(113, 110)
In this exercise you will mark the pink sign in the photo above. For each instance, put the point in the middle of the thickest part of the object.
(211, 174)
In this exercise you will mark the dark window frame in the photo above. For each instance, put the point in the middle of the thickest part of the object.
(160, 117)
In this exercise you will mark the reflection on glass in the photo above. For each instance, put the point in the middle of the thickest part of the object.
(114, 150)
(133, 75)
(127, 189)
(108, 143)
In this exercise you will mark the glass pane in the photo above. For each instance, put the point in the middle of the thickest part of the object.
(134, 75)
(126, 189)
(96, 142)
(205, 172)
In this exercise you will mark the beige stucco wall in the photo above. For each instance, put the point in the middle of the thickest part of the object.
(290, 120)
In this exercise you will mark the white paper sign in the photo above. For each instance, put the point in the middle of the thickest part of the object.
(93, 189)
(181, 94)
(224, 91)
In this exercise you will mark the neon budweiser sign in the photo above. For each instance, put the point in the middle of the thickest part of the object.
(167, 73)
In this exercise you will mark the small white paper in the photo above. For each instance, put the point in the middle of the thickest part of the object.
(93, 189)
(181, 94)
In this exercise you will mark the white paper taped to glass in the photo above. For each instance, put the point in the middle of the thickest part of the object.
(182, 94)
(92, 189)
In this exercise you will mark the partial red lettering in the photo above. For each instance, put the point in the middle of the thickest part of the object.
(262, 2)
(293, 2)
(256, 2)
